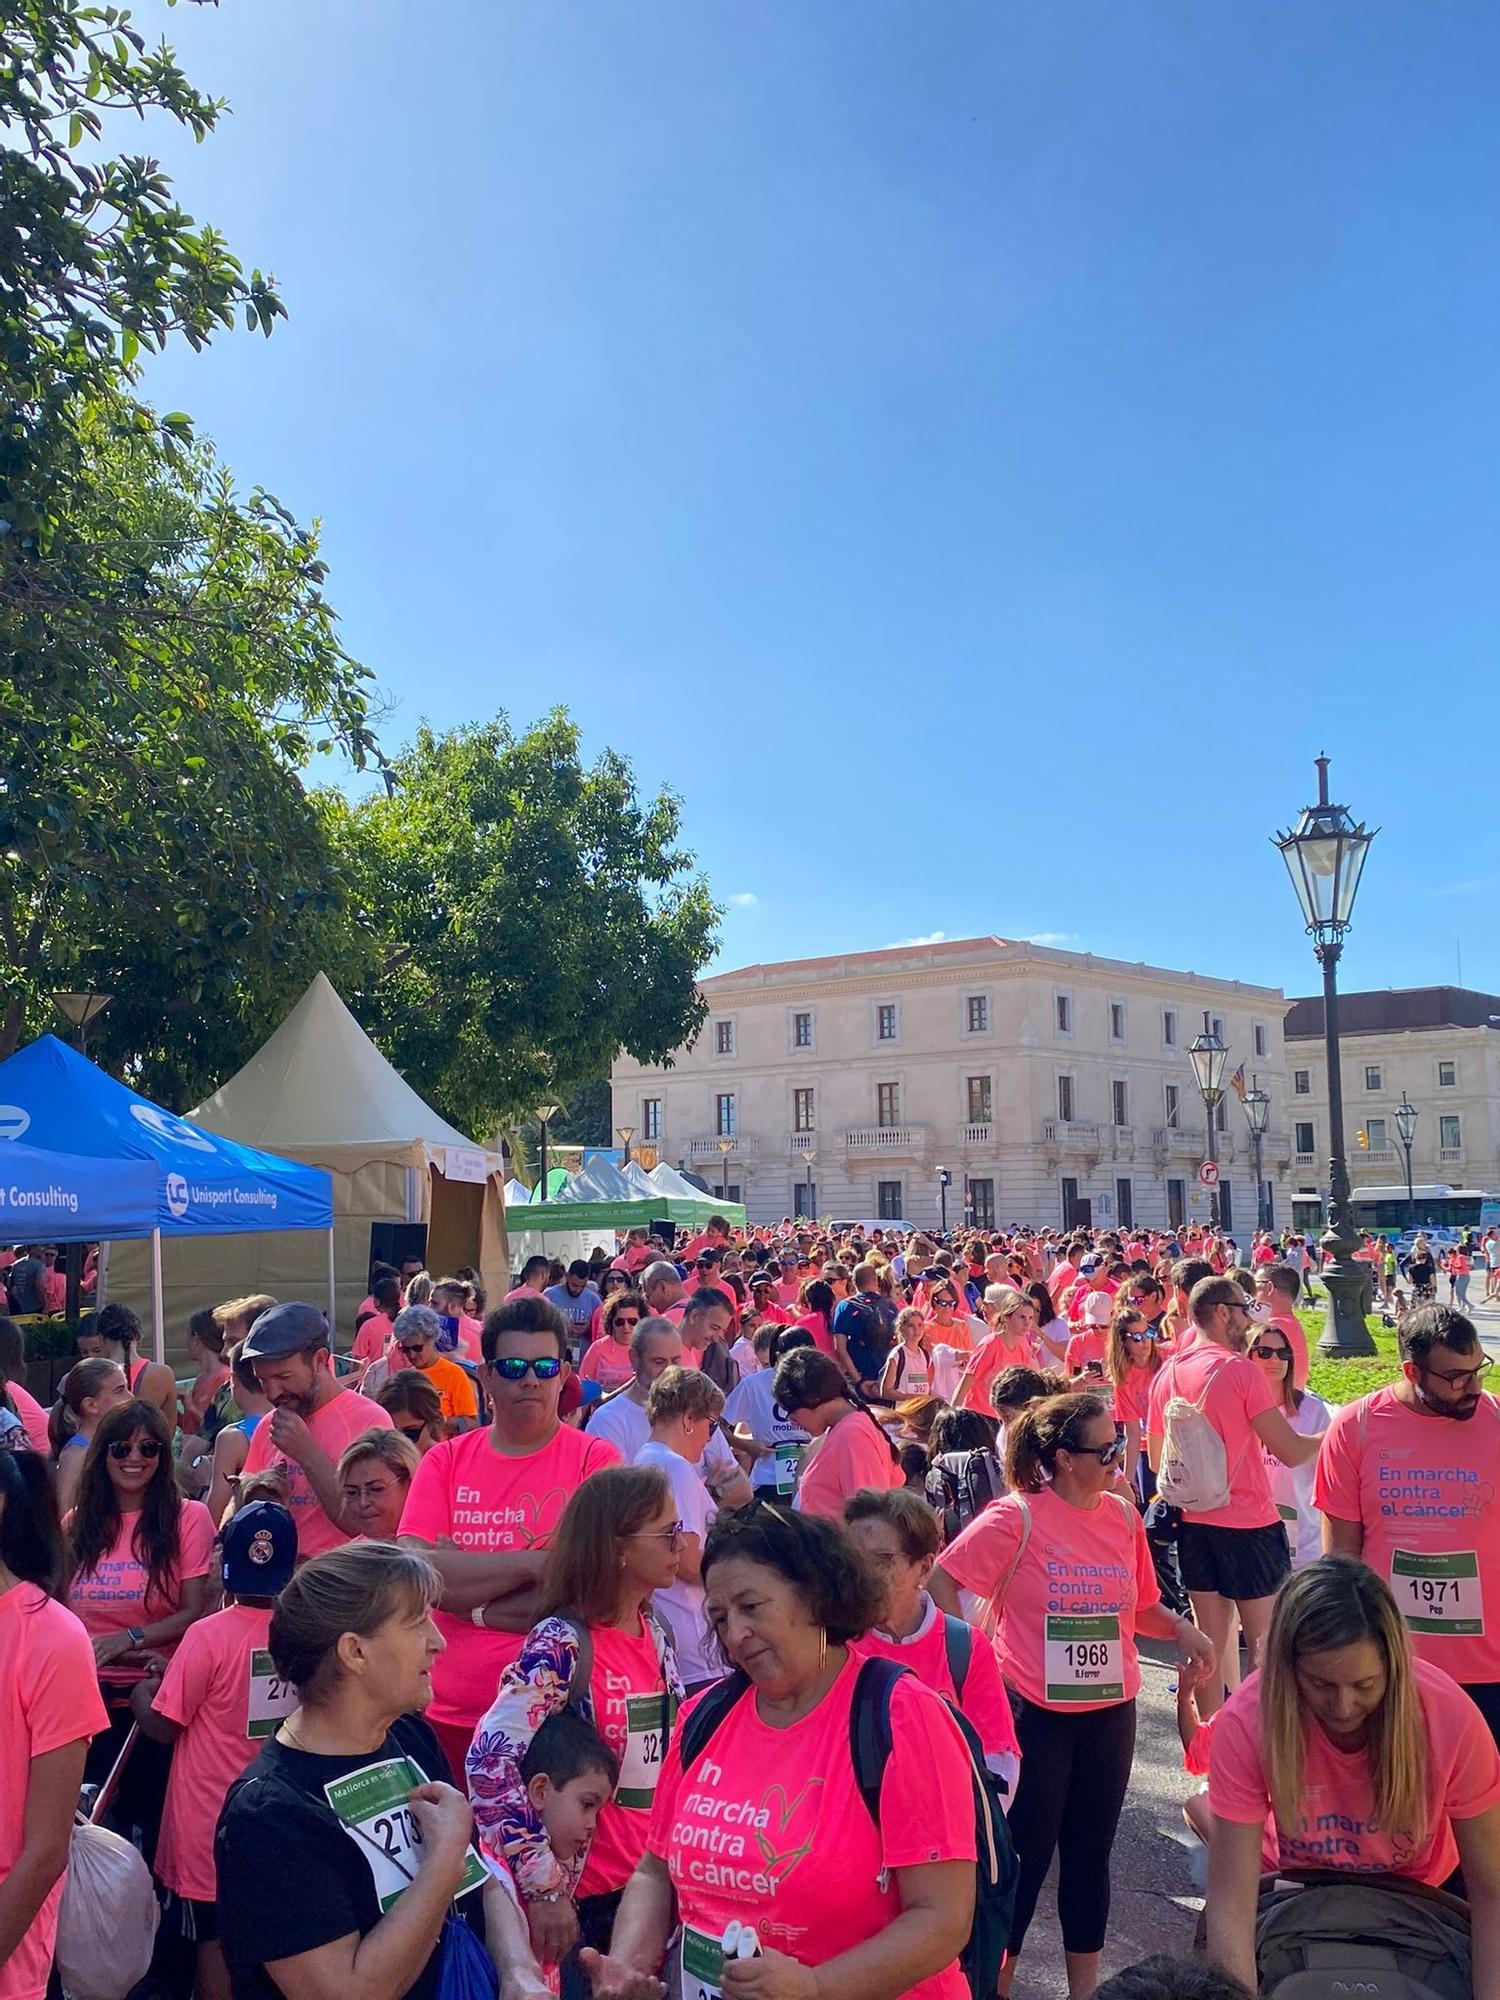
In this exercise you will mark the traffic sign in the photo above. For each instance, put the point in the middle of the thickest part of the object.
(1208, 1173)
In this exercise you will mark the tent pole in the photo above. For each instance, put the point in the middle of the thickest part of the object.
(158, 1307)
(333, 1303)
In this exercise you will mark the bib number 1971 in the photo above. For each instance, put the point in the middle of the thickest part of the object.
(1439, 1593)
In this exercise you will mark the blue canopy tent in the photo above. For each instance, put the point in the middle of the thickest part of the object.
(60, 1198)
(202, 1185)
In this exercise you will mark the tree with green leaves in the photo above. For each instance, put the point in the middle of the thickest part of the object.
(540, 917)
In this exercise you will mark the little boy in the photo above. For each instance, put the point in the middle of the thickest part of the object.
(570, 1774)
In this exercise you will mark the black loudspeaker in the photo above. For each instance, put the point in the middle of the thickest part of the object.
(394, 1242)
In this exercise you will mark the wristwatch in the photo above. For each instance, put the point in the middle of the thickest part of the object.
(476, 1616)
(136, 1634)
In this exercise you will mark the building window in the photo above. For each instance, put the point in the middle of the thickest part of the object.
(977, 1013)
(1372, 1076)
(1221, 1116)
(802, 1111)
(1174, 1106)
(1125, 1204)
(1169, 1027)
(1065, 1099)
(1119, 1102)
(1258, 1040)
(723, 1038)
(980, 1100)
(1117, 1020)
(982, 1204)
(1305, 1143)
(1302, 1082)
(1449, 1135)
(650, 1118)
(724, 1115)
(887, 1104)
(1375, 1133)
(1062, 1005)
(805, 1199)
(802, 1031)
(885, 1021)
(1447, 1075)
(888, 1200)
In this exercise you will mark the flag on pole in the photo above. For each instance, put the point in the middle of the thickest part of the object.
(1237, 1083)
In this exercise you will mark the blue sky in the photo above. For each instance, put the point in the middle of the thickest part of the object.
(977, 451)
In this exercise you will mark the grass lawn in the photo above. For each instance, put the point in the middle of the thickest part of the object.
(1344, 1381)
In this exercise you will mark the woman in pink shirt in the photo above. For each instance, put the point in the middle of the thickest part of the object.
(51, 1709)
(608, 1359)
(1369, 1760)
(851, 1450)
(138, 1558)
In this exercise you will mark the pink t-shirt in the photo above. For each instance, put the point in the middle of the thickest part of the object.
(485, 1500)
(207, 1689)
(991, 1358)
(116, 1595)
(769, 1827)
(1233, 1393)
(1336, 1827)
(51, 1698)
(817, 1326)
(608, 1362)
(343, 1418)
(33, 1416)
(625, 1664)
(1091, 1345)
(375, 1334)
(984, 1701)
(851, 1455)
(1296, 1339)
(1132, 1395)
(1066, 1616)
(1423, 1490)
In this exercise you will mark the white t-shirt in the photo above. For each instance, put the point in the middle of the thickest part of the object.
(1292, 1485)
(743, 1355)
(752, 1404)
(623, 1422)
(682, 1605)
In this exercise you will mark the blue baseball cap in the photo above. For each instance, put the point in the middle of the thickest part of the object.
(258, 1550)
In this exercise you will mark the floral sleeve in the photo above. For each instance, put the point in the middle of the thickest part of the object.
(506, 1825)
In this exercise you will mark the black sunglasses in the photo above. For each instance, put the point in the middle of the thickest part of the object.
(514, 1368)
(1107, 1454)
(407, 1432)
(140, 1447)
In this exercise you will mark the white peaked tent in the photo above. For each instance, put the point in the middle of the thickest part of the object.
(330, 1098)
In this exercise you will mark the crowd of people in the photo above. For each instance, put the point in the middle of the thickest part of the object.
(755, 1618)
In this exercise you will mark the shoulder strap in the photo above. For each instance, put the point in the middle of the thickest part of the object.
(1015, 1561)
(958, 1644)
(580, 1686)
(698, 1730)
(870, 1728)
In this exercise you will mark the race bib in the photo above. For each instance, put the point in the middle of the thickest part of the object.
(372, 1805)
(1439, 1594)
(702, 1966)
(270, 1700)
(788, 1467)
(1084, 1659)
(645, 1746)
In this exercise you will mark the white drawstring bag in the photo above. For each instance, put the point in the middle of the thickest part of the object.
(106, 1925)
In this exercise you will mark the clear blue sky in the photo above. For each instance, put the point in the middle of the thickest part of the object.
(977, 452)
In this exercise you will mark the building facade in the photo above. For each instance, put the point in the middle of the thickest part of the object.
(1440, 1045)
(1052, 1086)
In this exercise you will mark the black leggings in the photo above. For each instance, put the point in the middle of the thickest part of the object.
(1074, 1770)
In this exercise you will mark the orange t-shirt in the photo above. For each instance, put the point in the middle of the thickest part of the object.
(455, 1387)
(852, 1454)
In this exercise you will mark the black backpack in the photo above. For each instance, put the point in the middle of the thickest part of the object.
(961, 1484)
(1325, 1937)
(870, 1741)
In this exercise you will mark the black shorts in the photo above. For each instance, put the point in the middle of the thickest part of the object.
(199, 1921)
(1242, 1563)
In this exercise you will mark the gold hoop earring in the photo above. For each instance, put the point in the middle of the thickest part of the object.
(822, 1647)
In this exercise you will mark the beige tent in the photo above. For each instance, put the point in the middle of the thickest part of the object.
(320, 1091)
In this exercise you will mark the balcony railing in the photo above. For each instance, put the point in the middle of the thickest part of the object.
(1072, 1134)
(886, 1139)
(706, 1146)
(1374, 1156)
(1450, 1155)
(985, 1136)
(1304, 1159)
(1122, 1138)
(801, 1142)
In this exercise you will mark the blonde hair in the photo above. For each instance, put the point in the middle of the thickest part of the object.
(683, 1392)
(243, 1312)
(1336, 1602)
(388, 1445)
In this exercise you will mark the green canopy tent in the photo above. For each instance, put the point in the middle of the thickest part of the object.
(556, 1218)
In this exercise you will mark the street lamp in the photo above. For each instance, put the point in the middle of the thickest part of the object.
(82, 1010)
(726, 1147)
(1257, 1104)
(1406, 1126)
(625, 1133)
(945, 1181)
(809, 1159)
(545, 1112)
(1208, 1056)
(1325, 857)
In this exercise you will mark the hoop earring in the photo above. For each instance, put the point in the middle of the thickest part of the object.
(822, 1647)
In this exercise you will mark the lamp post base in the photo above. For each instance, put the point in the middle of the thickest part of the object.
(1350, 1288)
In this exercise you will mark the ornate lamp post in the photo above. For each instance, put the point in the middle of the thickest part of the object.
(1325, 857)
(545, 1113)
(1208, 1055)
(945, 1181)
(809, 1160)
(625, 1133)
(1258, 1117)
(726, 1147)
(81, 1011)
(1406, 1125)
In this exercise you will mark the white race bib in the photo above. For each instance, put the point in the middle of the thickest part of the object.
(788, 1467)
(1084, 1659)
(372, 1803)
(269, 1699)
(645, 1747)
(1439, 1594)
(702, 1966)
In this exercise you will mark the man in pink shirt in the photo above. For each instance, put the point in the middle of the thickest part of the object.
(312, 1420)
(1234, 1554)
(534, 1275)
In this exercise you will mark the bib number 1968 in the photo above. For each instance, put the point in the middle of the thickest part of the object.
(1439, 1593)
(1084, 1659)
